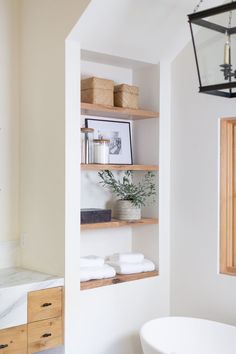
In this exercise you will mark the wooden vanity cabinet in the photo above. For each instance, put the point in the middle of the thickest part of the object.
(45, 334)
(44, 304)
(13, 340)
(44, 329)
(45, 325)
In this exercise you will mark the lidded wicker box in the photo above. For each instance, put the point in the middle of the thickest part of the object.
(126, 96)
(98, 91)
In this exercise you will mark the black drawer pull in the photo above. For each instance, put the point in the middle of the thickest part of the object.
(46, 304)
(2, 346)
(45, 335)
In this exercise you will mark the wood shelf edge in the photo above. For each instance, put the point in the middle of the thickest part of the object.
(119, 223)
(118, 279)
(97, 167)
(116, 112)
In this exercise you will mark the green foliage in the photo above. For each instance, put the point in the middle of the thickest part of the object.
(125, 189)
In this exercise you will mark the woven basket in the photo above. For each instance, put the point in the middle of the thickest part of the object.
(126, 96)
(98, 91)
(125, 210)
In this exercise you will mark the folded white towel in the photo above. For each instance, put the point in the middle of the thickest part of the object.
(99, 272)
(91, 261)
(130, 268)
(129, 257)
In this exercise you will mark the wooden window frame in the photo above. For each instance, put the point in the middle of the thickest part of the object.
(228, 196)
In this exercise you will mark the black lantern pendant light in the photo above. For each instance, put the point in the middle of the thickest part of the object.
(214, 42)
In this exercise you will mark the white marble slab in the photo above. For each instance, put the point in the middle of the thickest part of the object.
(15, 283)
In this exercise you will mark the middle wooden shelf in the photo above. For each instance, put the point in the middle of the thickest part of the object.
(98, 167)
(114, 223)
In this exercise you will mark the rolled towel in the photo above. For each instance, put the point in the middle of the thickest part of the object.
(129, 257)
(99, 272)
(131, 268)
(91, 261)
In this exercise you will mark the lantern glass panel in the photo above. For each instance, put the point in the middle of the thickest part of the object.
(214, 40)
(210, 55)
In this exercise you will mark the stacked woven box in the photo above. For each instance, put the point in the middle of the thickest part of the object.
(102, 91)
(126, 96)
(98, 91)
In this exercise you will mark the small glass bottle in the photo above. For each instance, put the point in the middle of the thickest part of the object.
(101, 151)
(87, 145)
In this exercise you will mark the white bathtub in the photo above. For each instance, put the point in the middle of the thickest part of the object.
(183, 335)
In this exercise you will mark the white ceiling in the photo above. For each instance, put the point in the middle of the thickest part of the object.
(146, 30)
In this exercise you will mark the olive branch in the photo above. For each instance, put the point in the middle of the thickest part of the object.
(125, 189)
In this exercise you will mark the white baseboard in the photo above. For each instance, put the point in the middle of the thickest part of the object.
(9, 254)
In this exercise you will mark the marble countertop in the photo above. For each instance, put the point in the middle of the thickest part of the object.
(15, 283)
(18, 276)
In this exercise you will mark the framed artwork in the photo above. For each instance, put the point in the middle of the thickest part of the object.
(119, 134)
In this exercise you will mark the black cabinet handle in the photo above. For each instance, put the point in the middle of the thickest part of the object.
(2, 346)
(46, 304)
(45, 335)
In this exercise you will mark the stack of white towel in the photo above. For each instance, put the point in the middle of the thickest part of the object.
(129, 263)
(93, 267)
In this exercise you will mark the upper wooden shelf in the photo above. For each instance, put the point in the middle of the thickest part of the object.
(96, 167)
(116, 112)
(91, 284)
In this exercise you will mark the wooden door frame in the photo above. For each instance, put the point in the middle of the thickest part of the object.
(227, 195)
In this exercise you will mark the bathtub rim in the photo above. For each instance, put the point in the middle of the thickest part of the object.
(147, 324)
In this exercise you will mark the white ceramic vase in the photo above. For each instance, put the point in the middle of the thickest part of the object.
(125, 210)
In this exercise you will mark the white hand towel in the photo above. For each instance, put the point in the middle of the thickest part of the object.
(148, 266)
(132, 268)
(129, 257)
(99, 272)
(91, 261)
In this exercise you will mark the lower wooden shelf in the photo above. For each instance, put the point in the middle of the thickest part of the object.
(91, 284)
(119, 223)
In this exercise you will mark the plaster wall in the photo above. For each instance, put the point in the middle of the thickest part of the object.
(45, 26)
(112, 316)
(150, 31)
(9, 133)
(196, 287)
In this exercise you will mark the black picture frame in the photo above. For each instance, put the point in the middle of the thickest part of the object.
(121, 142)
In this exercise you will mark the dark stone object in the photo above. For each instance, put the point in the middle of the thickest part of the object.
(92, 215)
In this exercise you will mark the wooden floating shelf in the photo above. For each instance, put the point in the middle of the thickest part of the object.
(116, 112)
(119, 223)
(96, 167)
(91, 284)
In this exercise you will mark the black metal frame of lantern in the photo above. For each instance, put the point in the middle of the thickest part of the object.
(198, 18)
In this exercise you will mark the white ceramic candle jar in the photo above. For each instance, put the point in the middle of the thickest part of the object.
(101, 151)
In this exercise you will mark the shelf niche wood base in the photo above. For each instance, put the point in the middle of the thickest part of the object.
(92, 284)
(98, 167)
(119, 223)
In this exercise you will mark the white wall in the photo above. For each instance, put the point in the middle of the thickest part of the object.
(45, 26)
(9, 132)
(44, 29)
(110, 317)
(137, 29)
(196, 287)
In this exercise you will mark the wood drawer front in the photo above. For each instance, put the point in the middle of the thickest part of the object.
(13, 340)
(44, 335)
(44, 304)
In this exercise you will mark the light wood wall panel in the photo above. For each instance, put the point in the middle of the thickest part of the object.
(228, 197)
